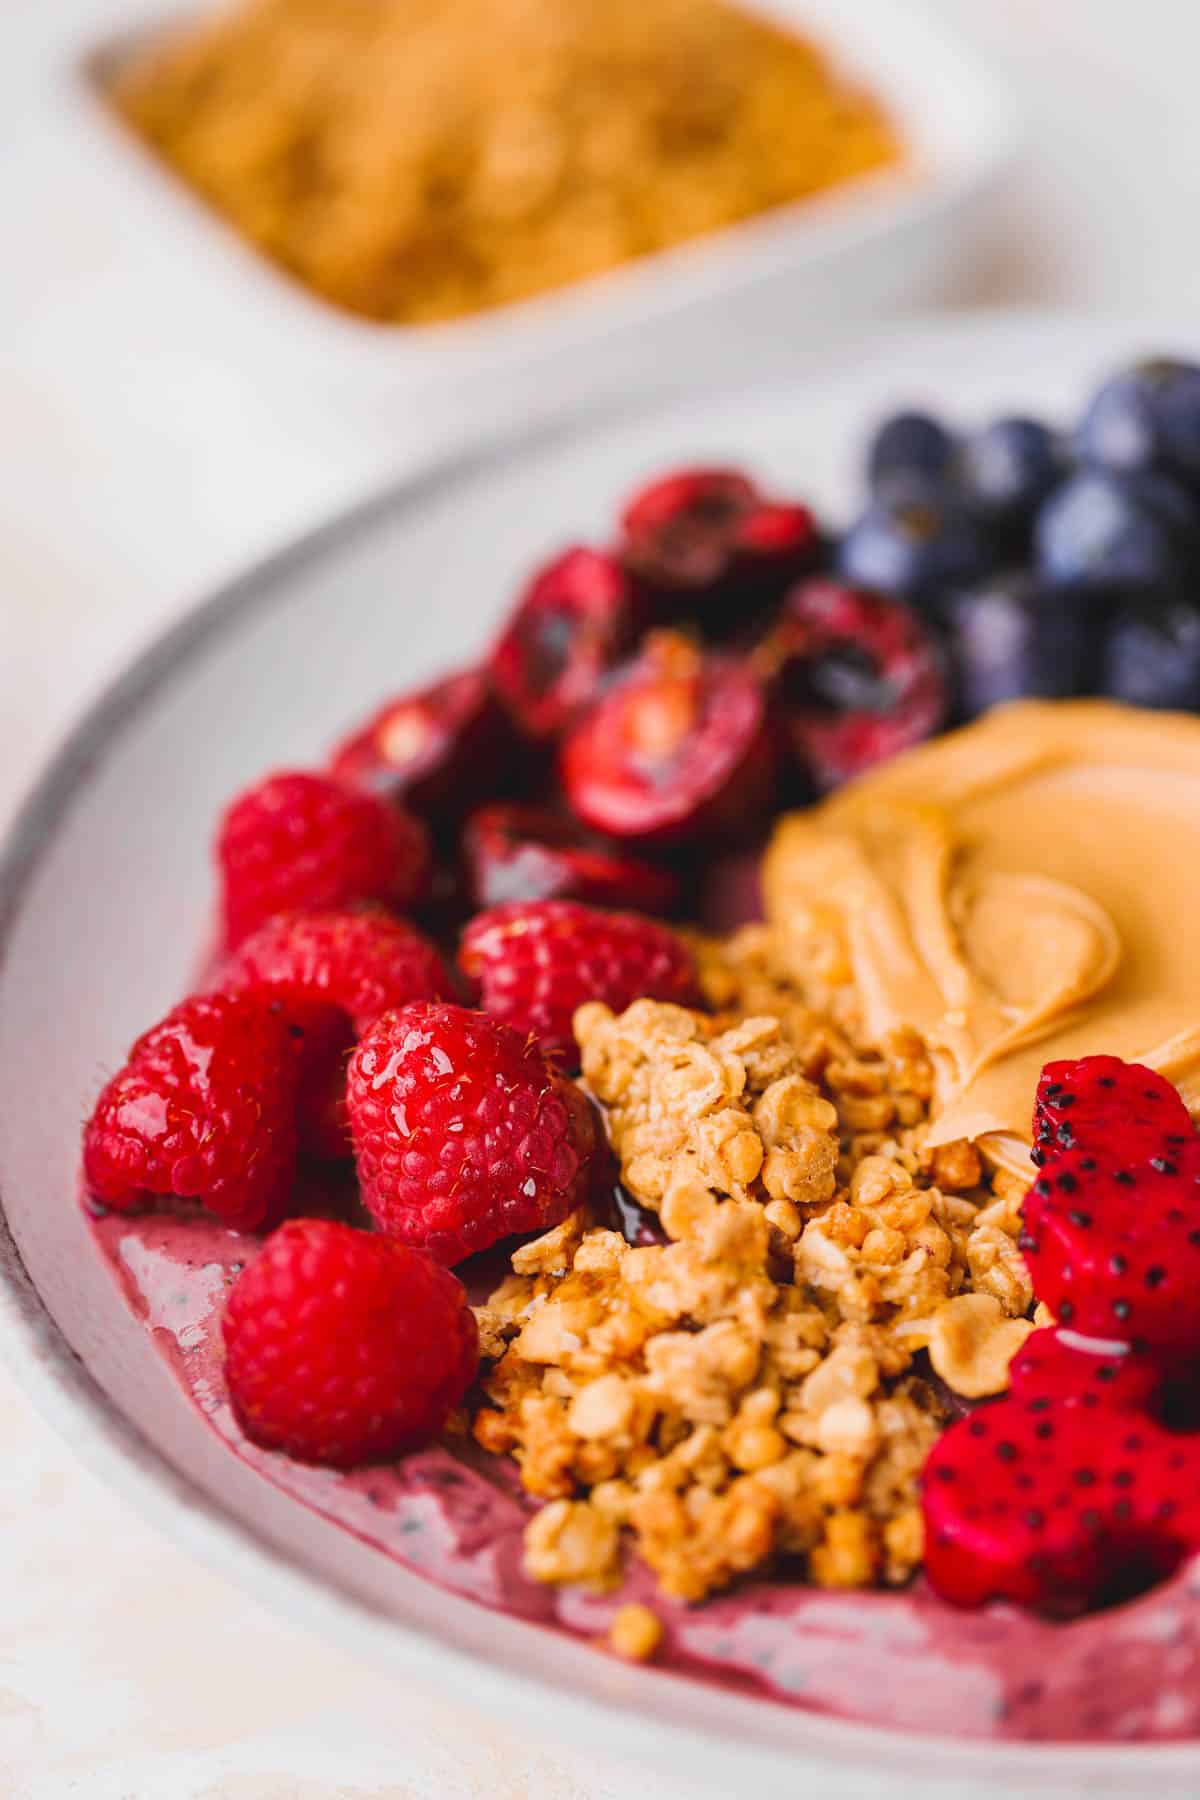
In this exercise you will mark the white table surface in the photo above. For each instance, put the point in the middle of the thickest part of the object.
(131, 478)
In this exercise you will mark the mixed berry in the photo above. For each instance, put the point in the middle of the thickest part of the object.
(408, 934)
(1048, 561)
(344, 1345)
(534, 965)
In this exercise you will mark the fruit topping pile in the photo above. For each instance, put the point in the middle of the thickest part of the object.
(333, 1028)
(649, 701)
(1082, 1485)
(445, 967)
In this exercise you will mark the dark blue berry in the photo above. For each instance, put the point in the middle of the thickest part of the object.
(1147, 417)
(1152, 657)
(914, 549)
(1106, 531)
(1011, 636)
(1006, 470)
(910, 452)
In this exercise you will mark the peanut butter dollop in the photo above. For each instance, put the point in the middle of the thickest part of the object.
(1025, 889)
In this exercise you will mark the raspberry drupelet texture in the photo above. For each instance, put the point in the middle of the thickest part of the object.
(343, 1347)
(302, 840)
(204, 1109)
(332, 974)
(463, 1132)
(536, 964)
(359, 962)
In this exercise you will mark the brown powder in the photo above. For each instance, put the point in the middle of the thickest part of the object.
(417, 160)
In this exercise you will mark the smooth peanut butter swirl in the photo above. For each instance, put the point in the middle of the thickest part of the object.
(1022, 890)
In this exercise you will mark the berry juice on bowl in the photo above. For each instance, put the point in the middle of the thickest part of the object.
(777, 1291)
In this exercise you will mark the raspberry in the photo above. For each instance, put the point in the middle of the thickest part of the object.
(304, 840)
(570, 624)
(535, 963)
(362, 963)
(440, 750)
(334, 973)
(463, 1132)
(342, 1347)
(204, 1109)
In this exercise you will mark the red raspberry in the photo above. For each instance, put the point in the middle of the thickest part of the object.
(535, 963)
(303, 840)
(463, 1133)
(362, 963)
(335, 973)
(205, 1109)
(569, 626)
(342, 1347)
(441, 750)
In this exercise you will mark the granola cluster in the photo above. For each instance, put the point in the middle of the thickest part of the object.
(750, 1391)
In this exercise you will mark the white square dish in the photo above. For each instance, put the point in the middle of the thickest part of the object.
(887, 239)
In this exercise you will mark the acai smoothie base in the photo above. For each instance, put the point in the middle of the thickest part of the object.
(458, 1516)
(688, 1136)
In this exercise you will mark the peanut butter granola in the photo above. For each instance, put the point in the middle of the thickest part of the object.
(751, 1391)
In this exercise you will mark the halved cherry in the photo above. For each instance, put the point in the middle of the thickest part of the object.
(709, 544)
(571, 624)
(531, 853)
(441, 749)
(856, 678)
(677, 751)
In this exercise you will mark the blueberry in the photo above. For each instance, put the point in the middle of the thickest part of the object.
(1007, 469)
(1147, 417)
(910, 452)
(1101, 529)
(1153, 656)
(1012, 636)
(915, 550)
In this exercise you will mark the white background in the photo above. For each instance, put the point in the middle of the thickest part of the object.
(131, 478)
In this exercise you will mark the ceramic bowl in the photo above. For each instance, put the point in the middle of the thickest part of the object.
(105, 894)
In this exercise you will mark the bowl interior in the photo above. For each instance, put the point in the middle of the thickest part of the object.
(106, 897)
